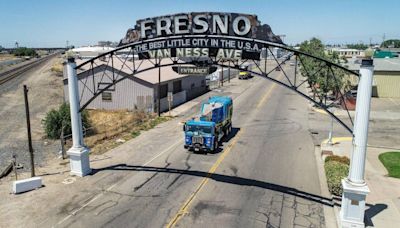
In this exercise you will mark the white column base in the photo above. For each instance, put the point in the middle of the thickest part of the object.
(353, 205)
(79, 161)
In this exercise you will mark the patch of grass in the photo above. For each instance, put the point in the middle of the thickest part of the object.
(335, 171)
(391, 161)
(57, 68)
(135, 134)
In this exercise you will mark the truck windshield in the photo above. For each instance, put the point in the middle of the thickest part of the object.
(202, 129)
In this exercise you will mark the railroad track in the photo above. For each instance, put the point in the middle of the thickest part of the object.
(12, 73)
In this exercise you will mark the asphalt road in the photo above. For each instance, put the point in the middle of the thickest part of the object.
(265, 174)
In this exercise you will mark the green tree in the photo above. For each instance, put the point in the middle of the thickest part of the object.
(319, 76)
(359, 46)
(391, 43)
(56, 120)
(23, 51)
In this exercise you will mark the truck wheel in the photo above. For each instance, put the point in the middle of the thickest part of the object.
(215, 147)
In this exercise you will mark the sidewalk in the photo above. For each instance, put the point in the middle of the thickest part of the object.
(384, 199)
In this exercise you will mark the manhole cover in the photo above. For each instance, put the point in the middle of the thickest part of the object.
(69, 180)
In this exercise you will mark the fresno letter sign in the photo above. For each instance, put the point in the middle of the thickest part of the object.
(197, 23)
(199, 34)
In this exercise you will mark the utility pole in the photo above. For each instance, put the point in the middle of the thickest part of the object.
(159, 88)
(222, 76)
(28, 128)
(383, 38)
(330, 142)
(229, 71)
(355, 189)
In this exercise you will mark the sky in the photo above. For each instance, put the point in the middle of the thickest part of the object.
(51, 23)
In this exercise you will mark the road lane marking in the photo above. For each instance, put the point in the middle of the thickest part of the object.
(114, 185)
(338, 139)
(186, 205)
(267, 94)
(205, 180)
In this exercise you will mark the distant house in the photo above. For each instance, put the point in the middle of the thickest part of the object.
(138, 92)
(91, 51)
(347, 52)
(386, 76)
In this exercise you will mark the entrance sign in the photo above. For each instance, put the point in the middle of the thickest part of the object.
(202, 23)
(207, 34)
(196, 23)
(219, 47)
(193, 70)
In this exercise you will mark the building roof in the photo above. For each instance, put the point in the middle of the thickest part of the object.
(150, 76)
(380, 64)
(384, 54)
(92, 49)
(390, 49)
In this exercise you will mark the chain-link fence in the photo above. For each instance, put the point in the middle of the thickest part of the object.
(214, 80)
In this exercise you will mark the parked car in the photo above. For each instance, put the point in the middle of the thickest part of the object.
(243, 73)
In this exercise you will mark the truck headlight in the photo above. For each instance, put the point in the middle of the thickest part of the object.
(208, 141)
(188, 140)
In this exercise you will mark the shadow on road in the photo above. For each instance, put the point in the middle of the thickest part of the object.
(372, 211)
(225, 179)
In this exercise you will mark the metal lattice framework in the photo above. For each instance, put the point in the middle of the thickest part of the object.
(292, 81)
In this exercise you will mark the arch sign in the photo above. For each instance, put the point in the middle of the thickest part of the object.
(210, 35)
(217, 38)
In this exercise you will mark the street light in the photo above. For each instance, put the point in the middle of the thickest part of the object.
(330, 142)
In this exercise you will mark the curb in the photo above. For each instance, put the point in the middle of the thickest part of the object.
(330, 214)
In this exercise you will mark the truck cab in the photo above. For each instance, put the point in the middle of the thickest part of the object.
(214, 122)
(200, 135)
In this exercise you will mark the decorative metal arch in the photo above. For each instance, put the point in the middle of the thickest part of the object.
(291, 82)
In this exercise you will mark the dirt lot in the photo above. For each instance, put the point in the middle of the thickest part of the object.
(7, 57)
(45, 93)
(111, 128)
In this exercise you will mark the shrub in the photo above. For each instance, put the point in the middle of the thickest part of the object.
(135, 134)
(57, 68)
(341, 159)
(56, 119)
(23, 51)
(335, 171)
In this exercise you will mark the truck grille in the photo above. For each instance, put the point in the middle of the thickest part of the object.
(197, 139)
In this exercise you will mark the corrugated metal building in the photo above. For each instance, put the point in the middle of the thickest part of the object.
(386, 76)
(135, 93)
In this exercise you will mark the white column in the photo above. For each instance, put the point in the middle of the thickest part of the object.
(355, 189)
(78, 153)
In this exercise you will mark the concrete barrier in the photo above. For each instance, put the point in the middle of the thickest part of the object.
(26, 185)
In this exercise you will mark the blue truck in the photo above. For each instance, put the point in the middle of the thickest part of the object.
(214, 122)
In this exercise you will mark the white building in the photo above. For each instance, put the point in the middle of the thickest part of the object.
(347, 52)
